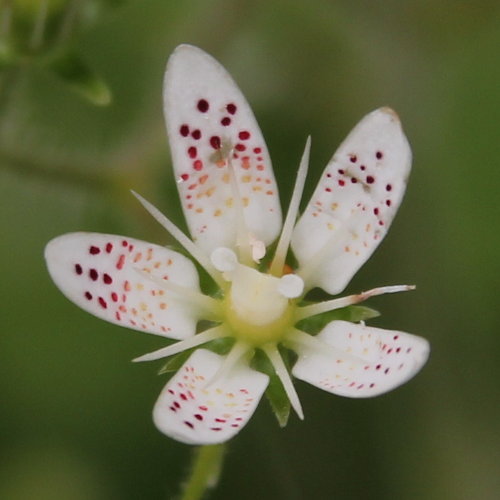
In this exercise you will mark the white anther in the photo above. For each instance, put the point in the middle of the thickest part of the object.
(258, 249)
(224, 259)
(291, 286)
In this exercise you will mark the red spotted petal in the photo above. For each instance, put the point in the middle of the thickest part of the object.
(101, 274)
(194, 410)
(354, 203)
(364, 361)
(211, 126)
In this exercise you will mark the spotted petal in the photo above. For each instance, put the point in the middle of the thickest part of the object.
(354, 202)
(101, 273)
(362, 361)
(210, 128)
(195, 408)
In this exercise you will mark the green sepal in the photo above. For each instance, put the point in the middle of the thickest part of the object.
(275, 392)
(354, 314)
(75, 72)
(220, 346)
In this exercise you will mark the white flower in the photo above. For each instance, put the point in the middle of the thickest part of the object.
(230, 201)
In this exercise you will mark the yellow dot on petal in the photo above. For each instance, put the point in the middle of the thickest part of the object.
(246, 201)
(217, 212)
(334, 206)
(229, 202)
(163, 305)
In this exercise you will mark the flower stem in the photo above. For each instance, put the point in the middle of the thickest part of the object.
(205, 471)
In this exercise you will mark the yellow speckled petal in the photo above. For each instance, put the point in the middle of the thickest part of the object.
(194, 410)
(213, 133)
(354, 202)
(364, 361)
(106, 275)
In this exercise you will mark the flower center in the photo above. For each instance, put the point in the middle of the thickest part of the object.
(258, 307)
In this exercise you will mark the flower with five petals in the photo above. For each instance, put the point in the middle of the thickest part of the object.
(230, 200)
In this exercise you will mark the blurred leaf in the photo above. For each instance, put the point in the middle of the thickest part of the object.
(72, 69)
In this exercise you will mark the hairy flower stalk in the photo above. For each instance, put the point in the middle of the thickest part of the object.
(230, 201)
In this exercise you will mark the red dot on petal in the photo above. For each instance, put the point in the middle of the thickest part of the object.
(231, 108)
(198, 165)
(196, 134)
(244, 135)
(226, 121)
(370, 179)
(192, 152)
(240, 147)
(107, 279)
(93, 274)
(184, 130)
(215, 142)
(203, 105)
(78, 269)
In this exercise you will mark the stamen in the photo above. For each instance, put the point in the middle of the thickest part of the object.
(194, 341)
(326, 251)
(258, 249)
(190, 247)
(330, 305)
(235, 354)
(295, 339)
(242, 233)
(282, 372)
(224, 259)
(210, 307)
(291, 286)
(278, 262)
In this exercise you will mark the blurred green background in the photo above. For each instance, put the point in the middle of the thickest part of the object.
(75, 420)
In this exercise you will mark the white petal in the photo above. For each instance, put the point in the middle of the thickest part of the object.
(100, 273)
(354, 202)
(210, 125)
(370, 361)
(193, 412)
